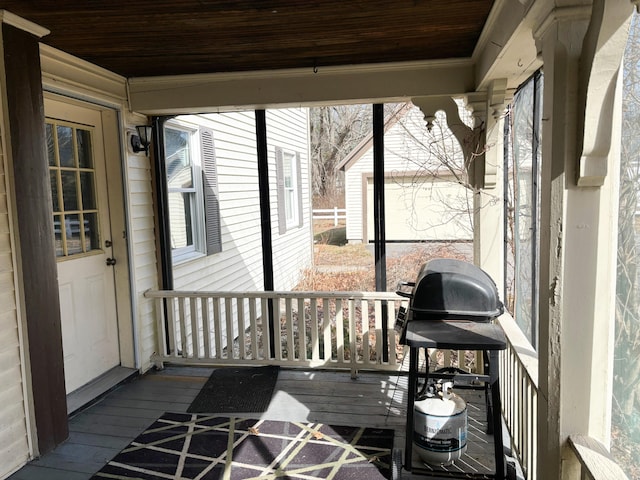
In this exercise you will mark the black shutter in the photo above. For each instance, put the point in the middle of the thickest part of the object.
(211, 194)
(282, 214)
(299, 187)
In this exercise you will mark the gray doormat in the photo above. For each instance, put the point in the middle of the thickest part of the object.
(236, 389)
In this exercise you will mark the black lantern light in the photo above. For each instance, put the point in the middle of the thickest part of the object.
(141, 141)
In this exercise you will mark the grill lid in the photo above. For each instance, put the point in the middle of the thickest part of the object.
(452, 289)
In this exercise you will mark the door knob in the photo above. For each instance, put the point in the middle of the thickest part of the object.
(111, 262)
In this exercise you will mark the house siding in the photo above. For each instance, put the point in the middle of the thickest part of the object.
(288, 129)
(239, 265)
(143, 257)
(13, 425)
(404, 162)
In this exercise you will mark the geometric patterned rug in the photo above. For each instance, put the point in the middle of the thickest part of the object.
(183, 446)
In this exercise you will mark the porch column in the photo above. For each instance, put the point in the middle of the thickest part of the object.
(577, 243)
(25, 145)
(488, 205)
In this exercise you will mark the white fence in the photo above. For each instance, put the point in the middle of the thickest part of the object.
(334, 213)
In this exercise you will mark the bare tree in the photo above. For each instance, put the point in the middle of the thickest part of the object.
(335, 131)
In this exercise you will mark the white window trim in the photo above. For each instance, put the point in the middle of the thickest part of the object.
(291, 192)
(198, 249)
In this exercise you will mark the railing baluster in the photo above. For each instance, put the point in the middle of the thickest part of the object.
(266, 329)
(253, 319)
(288, 312)
(366, 337)
(217, 327)
(326, 329)
(242, 326)
(228, 314)
(339, 331)
(378, 316)
(277, 330)
(195, 328)
(206, 326)
(302, 331)
(391, 333)
(173, 349)
(353, 345)
(160, 341)
(183, 329)
(315, 344)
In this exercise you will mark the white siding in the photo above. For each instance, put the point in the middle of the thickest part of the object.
(143, 256)
(292, 251)
(423, 209)
(411, 156)
(239, 265)
(13, 430)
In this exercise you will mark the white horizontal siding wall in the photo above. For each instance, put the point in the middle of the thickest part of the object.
(143, 256)
(292, 251)
(239, 265)
(410, 152)
(14, 451)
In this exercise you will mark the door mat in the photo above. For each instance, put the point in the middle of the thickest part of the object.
(235, 390)
(207, 447)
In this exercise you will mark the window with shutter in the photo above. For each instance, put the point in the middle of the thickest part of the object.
(289, 180)
(211, 194)
(187, 160)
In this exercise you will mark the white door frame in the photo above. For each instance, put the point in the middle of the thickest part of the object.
(113, 152)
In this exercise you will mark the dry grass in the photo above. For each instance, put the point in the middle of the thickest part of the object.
(351, 267)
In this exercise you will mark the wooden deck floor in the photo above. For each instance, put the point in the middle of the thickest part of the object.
(99, 432)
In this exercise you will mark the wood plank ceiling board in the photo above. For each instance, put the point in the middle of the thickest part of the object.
(169, 37)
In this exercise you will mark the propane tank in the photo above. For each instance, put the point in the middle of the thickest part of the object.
(440, 427)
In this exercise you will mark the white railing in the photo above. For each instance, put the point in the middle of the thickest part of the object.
(340, 330)
(594, 460)
(519, 392)
(334, 213)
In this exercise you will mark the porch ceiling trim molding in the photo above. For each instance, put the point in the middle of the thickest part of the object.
(64, 73)
(23, 24)
(296, 87)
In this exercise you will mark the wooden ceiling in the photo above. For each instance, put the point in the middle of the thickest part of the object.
(173, 37)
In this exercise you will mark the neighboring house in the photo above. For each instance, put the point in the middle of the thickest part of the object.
(424, 199)
(215, 223)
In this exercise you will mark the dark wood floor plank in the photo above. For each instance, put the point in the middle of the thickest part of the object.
(103, 429)
(33, 472)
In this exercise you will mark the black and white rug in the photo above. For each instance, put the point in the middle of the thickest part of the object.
(194, 446)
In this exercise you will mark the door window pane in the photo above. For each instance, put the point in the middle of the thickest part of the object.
(73, 234)
(65, 146)
(51, 148)
(85, 156)
(69, 190)
(91, 241)
(57, 231)
(54, 190)
(88, 191)
(73, 190)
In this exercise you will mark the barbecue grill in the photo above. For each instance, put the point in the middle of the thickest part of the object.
(451, 306)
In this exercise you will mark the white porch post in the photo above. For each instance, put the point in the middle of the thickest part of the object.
(578, 241)
(488, 205)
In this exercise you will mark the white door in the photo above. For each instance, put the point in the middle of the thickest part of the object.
(83, 240)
